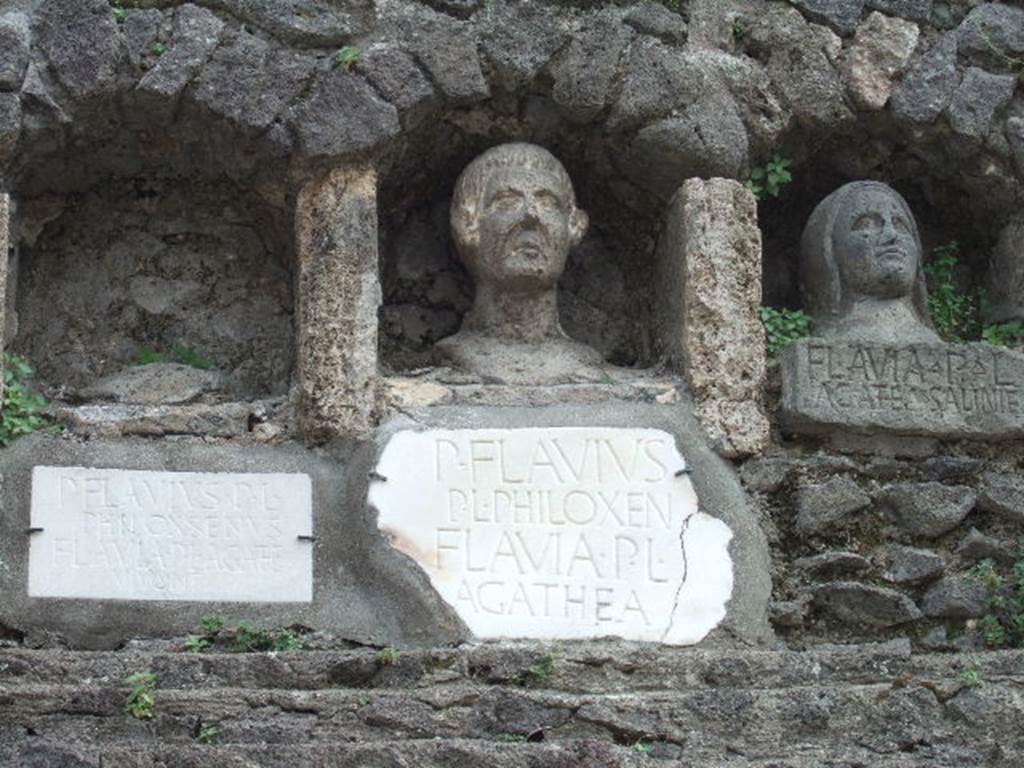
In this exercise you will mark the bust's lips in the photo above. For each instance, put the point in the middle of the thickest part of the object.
(891, 254)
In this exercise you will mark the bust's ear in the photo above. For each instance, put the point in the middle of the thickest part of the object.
(465, 225)
(578, 223)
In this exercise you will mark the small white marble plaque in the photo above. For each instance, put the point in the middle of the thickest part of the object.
(557, 532)
(147, 535)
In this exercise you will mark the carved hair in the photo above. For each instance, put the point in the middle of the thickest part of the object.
(820, 280)
(469, 189)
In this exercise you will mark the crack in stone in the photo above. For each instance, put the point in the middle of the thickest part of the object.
(682, 581)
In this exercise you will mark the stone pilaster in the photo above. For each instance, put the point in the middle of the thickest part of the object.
(5, 247)
(338, 298)
(708, 269)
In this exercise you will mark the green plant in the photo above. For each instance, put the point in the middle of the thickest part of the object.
(160, 49)
(642, 747)
(1004, 334)
(249, 639)
(197, 644)
(388, 656)
(510, 738)
(208, 733)
(784, 326)
(1003, 625)
(211, 624)
(141, 701)
(21, 412)
(954, 313)
(768, 179)
(146, 355)
(970, 675)
(179, 353)
(347, 57)
(188, 356)
(537, 672)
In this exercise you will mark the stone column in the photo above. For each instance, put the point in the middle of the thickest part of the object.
(1005, 281)
(338, 298)
(708, 276)
(5, 248)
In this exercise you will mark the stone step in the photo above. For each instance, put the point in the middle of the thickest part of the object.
(886, 717)
(476, 754)
(831, 706)
(571, 668)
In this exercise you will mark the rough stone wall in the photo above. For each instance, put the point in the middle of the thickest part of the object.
(634, 98)
(143, 266)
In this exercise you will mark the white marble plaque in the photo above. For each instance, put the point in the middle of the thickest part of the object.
(147, 535)
(557, 532)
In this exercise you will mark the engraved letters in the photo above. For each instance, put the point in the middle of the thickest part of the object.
(554, 532)
(170, 535)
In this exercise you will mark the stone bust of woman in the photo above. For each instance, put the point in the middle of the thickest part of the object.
(861, 268)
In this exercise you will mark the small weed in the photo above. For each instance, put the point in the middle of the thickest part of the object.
(954, 313)
(21, 413)
(197, 644)
(783, 327)
(159, 49)
(141, 701)
(211, 624)
(208, 733)
(510, 738)
(537, 673)
(767, 180)
(970, 675)
(1003, 625)
(347, 57)
(1004, 334)
(388, 656)
(249, 639)
(642, 747)
(188, 356)
(146, 355)
(740, 30)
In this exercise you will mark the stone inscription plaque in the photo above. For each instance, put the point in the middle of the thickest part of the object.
(557, 532)
(146, 535)
(945, 390)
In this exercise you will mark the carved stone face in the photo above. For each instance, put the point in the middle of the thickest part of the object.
(524, 228)
(875, 249)
(516, 225)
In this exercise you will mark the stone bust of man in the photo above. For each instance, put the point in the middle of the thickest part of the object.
(514, 220)
(861, 269)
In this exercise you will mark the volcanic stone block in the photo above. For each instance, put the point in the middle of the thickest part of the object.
(856, 603)
(927, 509)
(709, 292)
(1003, 495)
(935, 390)
(14, 50)
(976, 101)
(928, 85)
(902, 565)
(339, 295)
(956, 597)
(821, 505)
(880, 50)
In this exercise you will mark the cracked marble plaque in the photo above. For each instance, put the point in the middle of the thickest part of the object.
(147, 535)
(557, 532)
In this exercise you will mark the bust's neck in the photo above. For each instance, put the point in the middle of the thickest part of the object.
(530, 315)
(869, 318)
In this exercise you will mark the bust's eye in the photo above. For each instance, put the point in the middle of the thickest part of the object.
(503, 200)
(869, 222)
(900, 225)
(549, 201)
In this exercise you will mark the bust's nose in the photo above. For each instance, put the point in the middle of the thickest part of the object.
(889, 233)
